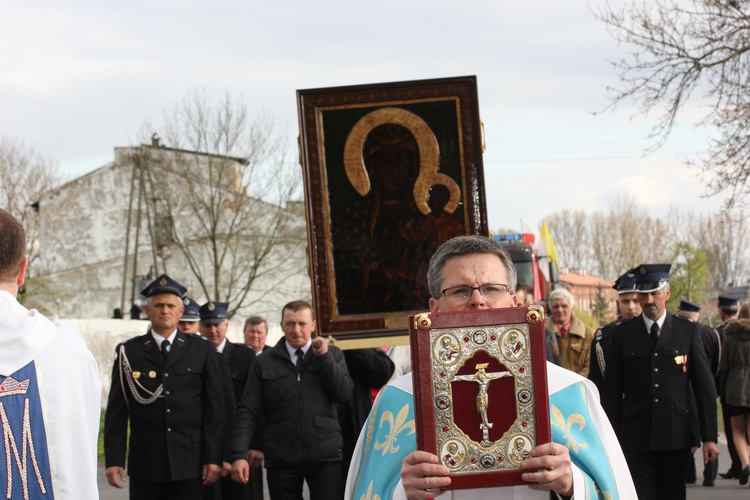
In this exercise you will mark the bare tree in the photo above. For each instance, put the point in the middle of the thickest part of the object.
(724, 240)
(610, 242)
(570, 231)
(24, 175)
(707, 252)
(679, 48)
(227, 210)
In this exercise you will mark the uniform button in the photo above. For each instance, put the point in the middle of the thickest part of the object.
(189, 369)
(168, 410)
(656, 385)
(656, 400)
(656, 354)
(166, 375)
(166, 393)
(169, 429)
(656, 369)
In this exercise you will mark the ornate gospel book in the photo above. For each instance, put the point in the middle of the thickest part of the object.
(480, 391)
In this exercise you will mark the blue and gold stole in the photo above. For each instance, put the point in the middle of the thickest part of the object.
(389, 436)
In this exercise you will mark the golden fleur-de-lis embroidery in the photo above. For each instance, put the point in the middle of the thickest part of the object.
(369, 495)
(566, 426)
(397, 426)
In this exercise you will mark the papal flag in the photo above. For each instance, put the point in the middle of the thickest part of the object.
(547, 245)
(545, 250)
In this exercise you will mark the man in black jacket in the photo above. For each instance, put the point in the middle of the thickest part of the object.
(167, 385)
(652, 363)
(293, 388)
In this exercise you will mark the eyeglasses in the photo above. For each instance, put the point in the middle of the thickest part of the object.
(460, 294)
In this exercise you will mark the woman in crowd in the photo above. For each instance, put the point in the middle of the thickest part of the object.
(735, 364)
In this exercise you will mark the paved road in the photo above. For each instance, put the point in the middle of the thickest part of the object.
(724, 489)
(107, 492)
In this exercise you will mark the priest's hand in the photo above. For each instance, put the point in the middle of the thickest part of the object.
(551, 461)
(422, 476)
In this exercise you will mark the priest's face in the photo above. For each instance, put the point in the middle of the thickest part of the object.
(474, 271)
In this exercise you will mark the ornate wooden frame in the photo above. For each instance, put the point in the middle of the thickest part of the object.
(480, 391)
(374, 157)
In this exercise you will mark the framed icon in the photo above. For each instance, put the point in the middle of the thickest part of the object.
(480, 388)
(391, 171)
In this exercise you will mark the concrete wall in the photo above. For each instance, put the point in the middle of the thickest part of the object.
(103, 335)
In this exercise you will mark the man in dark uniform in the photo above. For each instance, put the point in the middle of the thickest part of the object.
(652, 363)
(190, 316)
(728, 309)
(167, 385)
(627, 307)
(213, 326)
(712, 346)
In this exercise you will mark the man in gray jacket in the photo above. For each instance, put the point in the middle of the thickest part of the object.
(293, 388)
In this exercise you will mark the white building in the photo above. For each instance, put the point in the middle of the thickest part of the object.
(150, 211)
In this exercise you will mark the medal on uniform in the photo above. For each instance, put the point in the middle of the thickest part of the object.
(152, 374)
(681, 360)
(136, 374)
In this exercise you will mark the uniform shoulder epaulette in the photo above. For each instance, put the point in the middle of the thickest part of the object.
(685, 320)
(130, 341)
(600, 331)
(627, 320)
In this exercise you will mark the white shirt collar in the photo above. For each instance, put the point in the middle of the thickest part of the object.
(221, 346)
(293, 350)
(659, 321)
(159, 339)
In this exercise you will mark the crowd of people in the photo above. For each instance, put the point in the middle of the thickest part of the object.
(192, 415)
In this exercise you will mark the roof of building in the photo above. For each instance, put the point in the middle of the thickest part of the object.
(585, 280)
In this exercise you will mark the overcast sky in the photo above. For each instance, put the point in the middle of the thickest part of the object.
(79, 78)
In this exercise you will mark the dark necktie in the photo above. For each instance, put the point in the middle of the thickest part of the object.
(165, 347)
(654, 332)
(300, 354)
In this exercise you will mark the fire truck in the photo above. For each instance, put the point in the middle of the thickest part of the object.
(520, 246)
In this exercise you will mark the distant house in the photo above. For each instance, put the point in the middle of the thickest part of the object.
(104, 235)
(592, 294)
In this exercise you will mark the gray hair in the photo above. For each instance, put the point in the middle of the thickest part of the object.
(467, 245)
(256, 320)
(562, 293)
